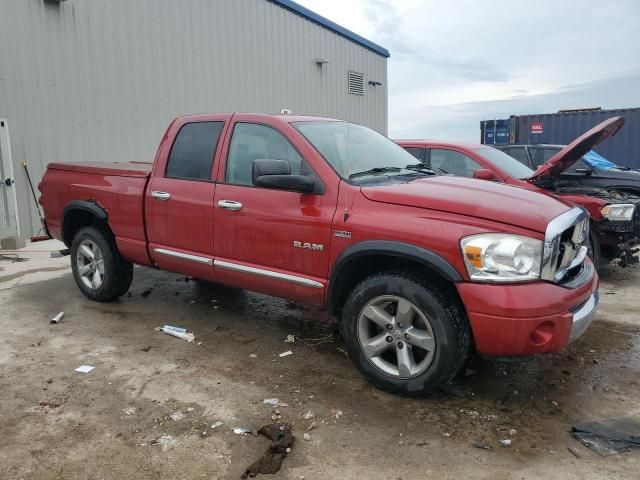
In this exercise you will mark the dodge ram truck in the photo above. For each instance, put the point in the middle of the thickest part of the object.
(420, 269)
(615, 215)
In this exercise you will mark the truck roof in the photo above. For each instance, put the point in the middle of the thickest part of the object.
(441, 143)
(286, 118)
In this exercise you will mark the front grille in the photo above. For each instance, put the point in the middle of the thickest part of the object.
(565, 244)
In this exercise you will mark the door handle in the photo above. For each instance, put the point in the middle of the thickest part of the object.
(161, 195)
(230, 205)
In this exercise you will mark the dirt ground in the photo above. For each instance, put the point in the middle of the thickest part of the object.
(146, 411)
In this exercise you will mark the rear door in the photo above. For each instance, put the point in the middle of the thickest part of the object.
(268, 240)
(179, 198)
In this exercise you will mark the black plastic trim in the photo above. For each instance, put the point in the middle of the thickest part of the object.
(84, 205)
(395, 249)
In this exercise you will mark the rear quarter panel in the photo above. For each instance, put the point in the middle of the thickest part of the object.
(120, 196)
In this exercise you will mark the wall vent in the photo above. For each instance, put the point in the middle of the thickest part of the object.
(356, 83)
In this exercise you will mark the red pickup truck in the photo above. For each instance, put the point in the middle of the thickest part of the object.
(419, 268)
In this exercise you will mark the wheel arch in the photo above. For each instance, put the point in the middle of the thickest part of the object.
(362, 259)
(81, 213)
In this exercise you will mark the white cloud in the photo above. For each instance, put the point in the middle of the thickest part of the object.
(452, 63)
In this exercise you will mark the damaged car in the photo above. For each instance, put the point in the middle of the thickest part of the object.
(615, 215)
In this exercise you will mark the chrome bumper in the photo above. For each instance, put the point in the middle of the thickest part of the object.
(584, 315)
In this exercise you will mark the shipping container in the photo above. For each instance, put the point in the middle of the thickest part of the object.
(495, 132)
(566, 125)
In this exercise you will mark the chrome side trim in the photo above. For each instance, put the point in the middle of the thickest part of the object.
(552, 236)
(184, 256)
(584, 315)
(285, 277)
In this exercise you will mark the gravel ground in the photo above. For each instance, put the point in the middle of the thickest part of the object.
(146, 411)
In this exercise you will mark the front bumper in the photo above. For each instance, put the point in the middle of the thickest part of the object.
(529, 318)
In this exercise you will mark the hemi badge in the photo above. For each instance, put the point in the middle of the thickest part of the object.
(342, 234)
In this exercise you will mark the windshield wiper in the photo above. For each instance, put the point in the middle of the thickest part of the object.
(419, 167)
(373, 171)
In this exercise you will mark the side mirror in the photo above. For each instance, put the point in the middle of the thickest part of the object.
(484, 174)
(268, 173)
(584, 170)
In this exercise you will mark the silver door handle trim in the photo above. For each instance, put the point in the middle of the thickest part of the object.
(161, 195)
(230, 205)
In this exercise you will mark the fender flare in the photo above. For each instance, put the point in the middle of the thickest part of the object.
(86, 206)
(391, 248)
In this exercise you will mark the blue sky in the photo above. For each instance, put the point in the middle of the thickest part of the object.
(455, 63)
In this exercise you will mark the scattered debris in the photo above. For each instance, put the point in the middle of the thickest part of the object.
(335, 413)
(167, 441)
(174, 328)
(554, 403)
(609, 437)
(217, 424)
(482, 446)
(512, 432)
(57, 318)
(286, 354)
(281, 442)
(290, 339)
(146, 293)
(574, 452)
(253, 355)
(146, 349)
(45, 406)
(309, 415)
(189, 337)
(190, 409)
(177, 415)
(129, 411)
(271, 401)
(306, 436)
(421, 443)
(312, 426)
(84, 368)
(505, 443)
(446, 434)
(241, 430)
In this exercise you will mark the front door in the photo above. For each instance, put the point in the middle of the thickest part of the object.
(8, 212)
(179, 201)
(267, 240)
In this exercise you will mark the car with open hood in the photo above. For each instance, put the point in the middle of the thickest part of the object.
(592, 170)
(615, 226)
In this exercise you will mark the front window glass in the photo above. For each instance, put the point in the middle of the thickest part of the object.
(504, 162)
(354, 150)
(251, 141)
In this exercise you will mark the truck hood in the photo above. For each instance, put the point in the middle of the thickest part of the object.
(570, 154)
(474, 198)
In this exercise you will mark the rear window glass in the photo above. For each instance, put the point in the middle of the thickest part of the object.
(191, 156)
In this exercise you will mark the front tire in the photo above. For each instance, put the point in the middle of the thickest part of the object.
(100, 272)
(406, 335)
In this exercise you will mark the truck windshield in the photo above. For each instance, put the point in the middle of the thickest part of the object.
(507, 163)
(355, 151)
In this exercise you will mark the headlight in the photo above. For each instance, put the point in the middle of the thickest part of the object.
(501, 257)
(618, 213)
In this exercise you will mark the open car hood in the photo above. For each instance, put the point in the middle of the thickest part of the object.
(570, 154)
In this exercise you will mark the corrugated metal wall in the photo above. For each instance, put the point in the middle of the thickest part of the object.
(562, 128)
(100, 80)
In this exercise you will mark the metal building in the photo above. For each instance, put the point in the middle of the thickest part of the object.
(100, 80)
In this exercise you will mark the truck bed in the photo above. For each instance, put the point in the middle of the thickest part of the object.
(120, 169)
(118, 188)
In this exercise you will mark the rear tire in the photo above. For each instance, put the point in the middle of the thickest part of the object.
(406, 335)
(98, 268)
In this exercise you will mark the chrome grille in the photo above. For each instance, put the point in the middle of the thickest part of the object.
(565, 244)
